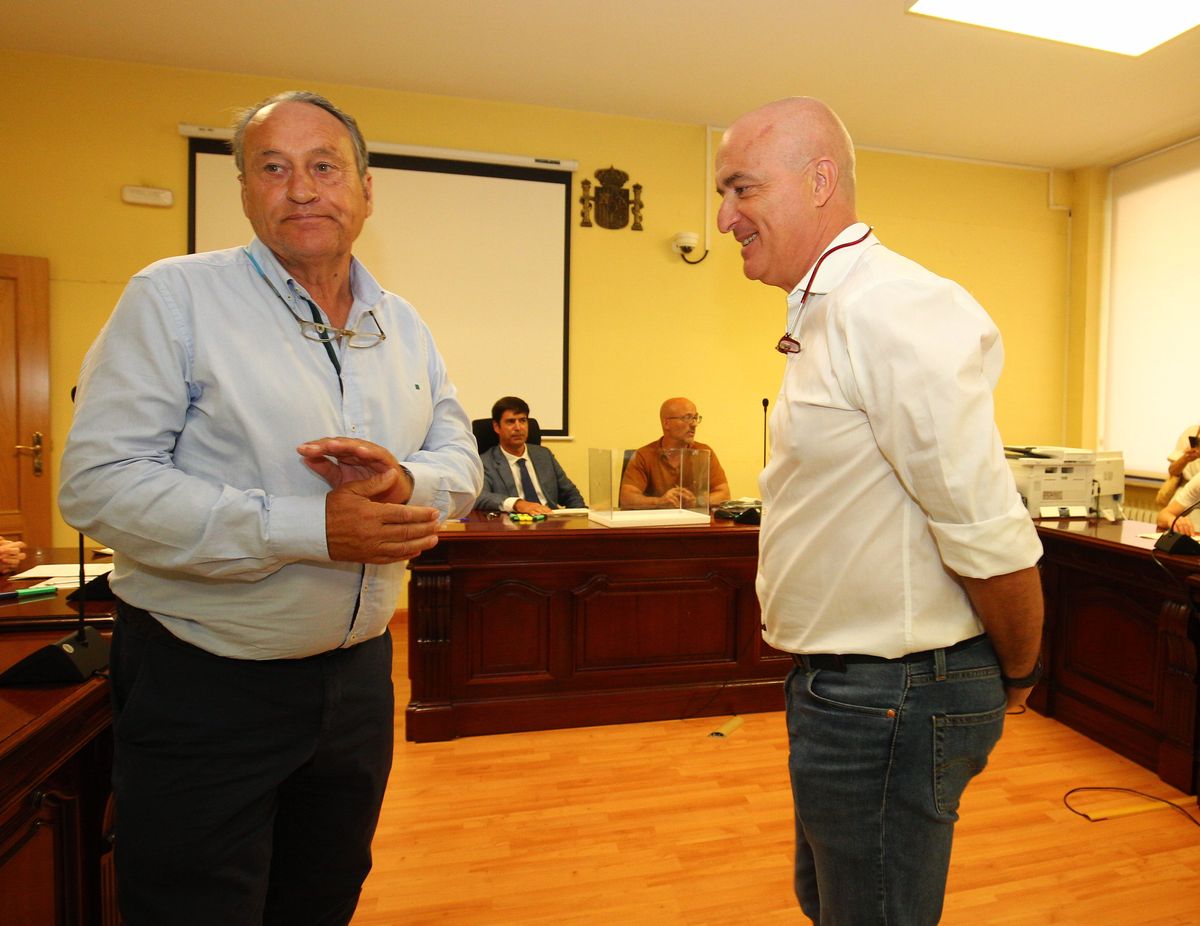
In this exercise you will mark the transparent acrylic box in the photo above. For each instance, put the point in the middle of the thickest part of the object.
(688, 470)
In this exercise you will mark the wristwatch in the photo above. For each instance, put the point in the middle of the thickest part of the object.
(412, 482)
(1025, 681)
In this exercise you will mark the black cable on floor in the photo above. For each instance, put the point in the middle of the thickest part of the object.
(1150, 797)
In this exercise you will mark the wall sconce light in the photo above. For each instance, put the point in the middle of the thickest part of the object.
(684, 243)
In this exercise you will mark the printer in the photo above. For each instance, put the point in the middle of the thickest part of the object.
(1069, 482)
(1108, 485)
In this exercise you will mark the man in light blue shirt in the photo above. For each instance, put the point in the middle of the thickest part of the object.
(259, 556)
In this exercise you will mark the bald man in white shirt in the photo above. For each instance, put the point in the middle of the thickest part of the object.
(896, 561)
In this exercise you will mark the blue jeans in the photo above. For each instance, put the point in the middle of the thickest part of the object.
(879, 756)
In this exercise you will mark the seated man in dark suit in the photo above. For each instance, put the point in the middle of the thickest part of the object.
(510, 483)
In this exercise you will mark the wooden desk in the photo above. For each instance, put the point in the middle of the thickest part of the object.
(55, 761)
(567, 623)
(1121, 644)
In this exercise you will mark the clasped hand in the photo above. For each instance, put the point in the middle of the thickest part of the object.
(524, 506)
(367, 518)
(677, 497)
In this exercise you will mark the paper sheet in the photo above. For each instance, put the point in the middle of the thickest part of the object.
(65, 571)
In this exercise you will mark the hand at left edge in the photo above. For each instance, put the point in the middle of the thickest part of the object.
(11, 554)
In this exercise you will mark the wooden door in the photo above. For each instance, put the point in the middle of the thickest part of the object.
(25, 483)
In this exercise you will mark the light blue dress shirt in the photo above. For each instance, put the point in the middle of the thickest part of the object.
(182, 454)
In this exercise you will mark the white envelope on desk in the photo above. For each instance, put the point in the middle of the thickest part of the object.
(64, 575)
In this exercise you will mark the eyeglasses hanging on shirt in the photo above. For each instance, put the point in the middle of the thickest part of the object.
(316, 330)
(787, 344)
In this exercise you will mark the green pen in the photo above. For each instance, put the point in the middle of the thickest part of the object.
(27, 593)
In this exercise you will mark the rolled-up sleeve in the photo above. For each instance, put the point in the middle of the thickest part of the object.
(921, 361)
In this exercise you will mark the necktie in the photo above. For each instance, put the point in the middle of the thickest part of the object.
(527, 489)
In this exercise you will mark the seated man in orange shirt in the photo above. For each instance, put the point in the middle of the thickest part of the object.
(652, 479)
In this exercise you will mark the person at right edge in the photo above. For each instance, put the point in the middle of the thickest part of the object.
(912, 605)
(1183, 465)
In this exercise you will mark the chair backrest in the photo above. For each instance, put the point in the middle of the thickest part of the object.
(625, 462)
(486, 437)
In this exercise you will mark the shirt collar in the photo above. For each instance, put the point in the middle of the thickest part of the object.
(363, 286)
(835, 267)
(666, 453)
(511, 459)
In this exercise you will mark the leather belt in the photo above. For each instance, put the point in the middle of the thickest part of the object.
(837, 662)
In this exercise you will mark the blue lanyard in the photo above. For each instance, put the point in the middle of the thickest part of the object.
(316, 315)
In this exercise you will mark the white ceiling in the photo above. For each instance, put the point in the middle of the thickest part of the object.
(899, 81)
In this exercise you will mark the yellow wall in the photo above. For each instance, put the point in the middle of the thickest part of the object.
(644, 325)
(991, 229)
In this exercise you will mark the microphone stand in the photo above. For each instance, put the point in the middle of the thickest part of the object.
(765, 404)
(75, 658)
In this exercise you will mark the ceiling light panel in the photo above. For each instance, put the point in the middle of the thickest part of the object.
(1125, 28)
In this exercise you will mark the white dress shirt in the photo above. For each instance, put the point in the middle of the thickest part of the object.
(887, 475)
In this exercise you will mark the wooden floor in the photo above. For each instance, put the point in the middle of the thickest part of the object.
(661, 823)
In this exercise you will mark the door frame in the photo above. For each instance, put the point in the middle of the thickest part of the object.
(31, 521)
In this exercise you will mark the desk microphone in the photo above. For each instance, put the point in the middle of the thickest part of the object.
(73, 659)
(1178, 544)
